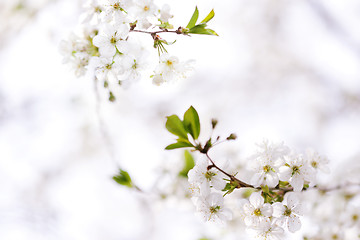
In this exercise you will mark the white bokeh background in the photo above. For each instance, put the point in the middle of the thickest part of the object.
(282, 70)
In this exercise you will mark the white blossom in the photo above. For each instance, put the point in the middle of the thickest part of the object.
(170, 68)
(165, 13)
(132, 66)
(296, 171)
(211, 208)
(256, 211)
(111, 39)
(108, 69)
(92, 11)
(204, 178)
(79, 63)
(316, 161)
(289, 211)
(266, 162)
(114, 11)
(269, 230)
(144, 9)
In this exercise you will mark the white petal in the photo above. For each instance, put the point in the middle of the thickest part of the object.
(251, 221)
(297, 182)
(218, 182)
(248, 208)
(272, 179)
(298, 209)
(278, 209)
(284, 173)
(192, 176)
(267, 210)
(99, 40)
(225, 214)
(276, 233)
(308, 173)
(108, 30)
(122, 46)
(256, 199)
(257, 179)
(294, 223)
(215, 199)
(107, 50)
(204, 188)
(292, 199)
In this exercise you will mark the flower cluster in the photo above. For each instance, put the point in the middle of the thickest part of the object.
(336, 213)
(279, 176)
(209, 203)
(107, 49)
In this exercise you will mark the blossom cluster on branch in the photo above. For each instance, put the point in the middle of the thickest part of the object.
(106, 48)
(280, 178)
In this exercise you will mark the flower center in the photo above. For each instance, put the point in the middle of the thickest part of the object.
(97, 9)
(267, 169)
(295, 170)
(209, 175)
(214, 209)
(117, 6)
(146, 8)
(314, 164)
(169, 63)
(257, 212)
(108, 66)
(355, 217)
(287, 212)
(335, 236)
(113, 40)
(134, 66)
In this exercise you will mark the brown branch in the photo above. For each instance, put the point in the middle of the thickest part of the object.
(232, 177)
(177, 31)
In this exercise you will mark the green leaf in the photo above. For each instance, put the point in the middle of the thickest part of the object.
(176, 127)
(179, 144)
(123, 178)
(209, 17)
(189, 164)
(192, 122)
(200, 29)
(193, 19)
(211, 32)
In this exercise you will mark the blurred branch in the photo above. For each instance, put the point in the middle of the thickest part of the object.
(334, 25)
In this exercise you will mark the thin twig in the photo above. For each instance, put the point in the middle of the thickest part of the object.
(232, 177)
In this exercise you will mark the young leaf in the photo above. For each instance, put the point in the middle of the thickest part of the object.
(176, 127)
(209, 17)
(179, 144)
(192, 122)
(200, 29)
(123, 178)
(189, 164)
(193, 19)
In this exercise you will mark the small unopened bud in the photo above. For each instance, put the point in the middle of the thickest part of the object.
(133, 25)
(231, 137)
(214, 122)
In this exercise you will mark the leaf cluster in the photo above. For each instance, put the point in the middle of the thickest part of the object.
(200, 28)
(190, 125)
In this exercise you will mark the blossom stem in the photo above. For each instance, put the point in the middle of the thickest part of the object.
(232, 177)
(177, 31)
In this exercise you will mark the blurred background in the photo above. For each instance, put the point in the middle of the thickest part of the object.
(279, 70)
